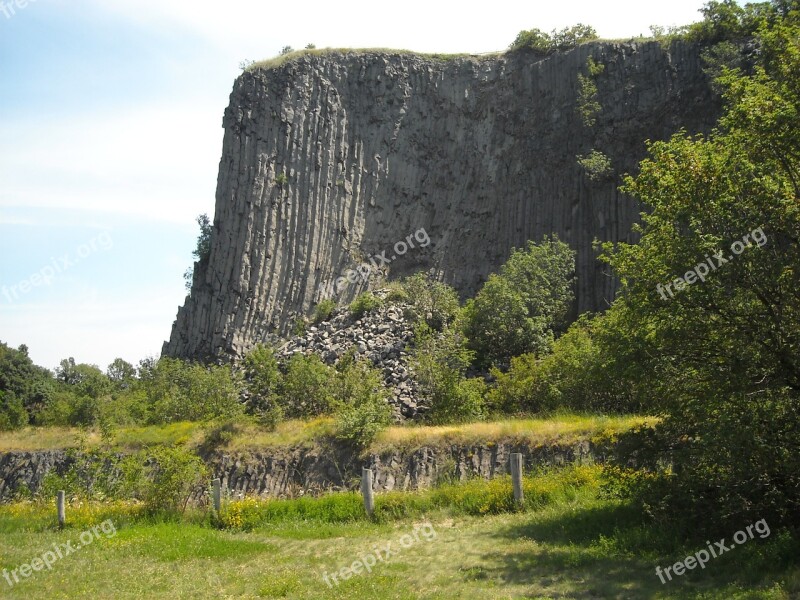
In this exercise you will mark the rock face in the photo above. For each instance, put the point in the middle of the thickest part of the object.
(418, 163)
(288, 472)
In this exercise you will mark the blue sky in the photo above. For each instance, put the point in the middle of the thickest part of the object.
(110, 138)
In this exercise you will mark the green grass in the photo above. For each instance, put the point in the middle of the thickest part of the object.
(569, 543)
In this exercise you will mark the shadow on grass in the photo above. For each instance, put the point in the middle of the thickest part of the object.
(607, 551)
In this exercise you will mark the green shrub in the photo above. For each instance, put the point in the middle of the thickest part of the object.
(324, 310)
(596, 165)
(521, 309)
(262, 380)
(588, 97)
(362, 401)
(439, 362)
(305, 388)
(432, 301)
(171, 475)
(365, 303)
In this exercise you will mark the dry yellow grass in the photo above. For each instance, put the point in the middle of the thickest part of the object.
(560, 429)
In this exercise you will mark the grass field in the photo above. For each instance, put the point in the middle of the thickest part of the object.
(570, 542)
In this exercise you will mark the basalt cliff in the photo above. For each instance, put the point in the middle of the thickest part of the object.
(392, 162)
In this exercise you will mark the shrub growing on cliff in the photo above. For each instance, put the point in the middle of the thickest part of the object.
(520, 309)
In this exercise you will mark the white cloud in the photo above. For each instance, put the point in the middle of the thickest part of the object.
(160, 162)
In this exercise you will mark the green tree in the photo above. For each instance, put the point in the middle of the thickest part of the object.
(180, 391)
(520, 309)
(121, 373)
(24, 382)
(724, 346)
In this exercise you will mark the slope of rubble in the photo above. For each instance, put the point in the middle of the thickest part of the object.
(382, 336)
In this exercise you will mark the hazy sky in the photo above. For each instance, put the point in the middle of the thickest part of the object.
(110, 138)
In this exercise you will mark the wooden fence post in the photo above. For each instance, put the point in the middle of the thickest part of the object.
(516, 478)
(366, 490)
(62, 515)
(216, 494)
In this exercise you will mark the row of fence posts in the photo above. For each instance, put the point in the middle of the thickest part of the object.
(366, 490)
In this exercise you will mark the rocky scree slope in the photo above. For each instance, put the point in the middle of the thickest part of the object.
(381, 336)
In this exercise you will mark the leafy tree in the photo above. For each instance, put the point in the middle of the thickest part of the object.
(27, 383)
(12, 412)
(121, 373)
(180, 391)
(586, 371)
(83, 379)
(202, 251)
(286, 50)
(440, 361)
(519, 310)
(543, 43)
(724, 347)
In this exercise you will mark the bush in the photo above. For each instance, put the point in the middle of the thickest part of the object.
(171, 475)
(362, 400)
(180, 391)
(324, 311)
(262, 380)
(439, 362)
(596, 165)
(521, 309)
(364, 304)
(432, 301)
(305, 389)
(538, 41)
